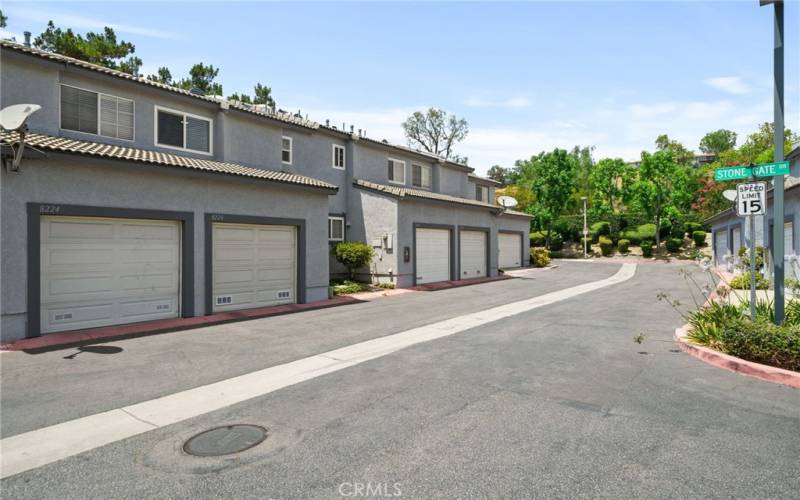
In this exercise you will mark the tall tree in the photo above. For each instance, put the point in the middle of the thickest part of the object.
(718, 141)
(163, 76)
(680, 154)
(551, 177)
(499, 174)
(263, 95)
(202, 77)
(436, 131)
(96, 48)
(607, 180)
(653, 189)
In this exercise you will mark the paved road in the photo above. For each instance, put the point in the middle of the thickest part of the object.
(554, 402)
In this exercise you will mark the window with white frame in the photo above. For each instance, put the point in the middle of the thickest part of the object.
(482, 193)
(338, 157)
(286, 150)
(421, 176)
(336, 228)
(397, 171)
(178, 130)
(96, 113)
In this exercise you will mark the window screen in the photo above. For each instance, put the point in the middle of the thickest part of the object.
(116, 117)
(197, 134)
(78, 110)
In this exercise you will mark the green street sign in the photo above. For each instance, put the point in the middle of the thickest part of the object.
(761, 170)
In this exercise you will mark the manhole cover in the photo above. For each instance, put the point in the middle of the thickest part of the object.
(225, 440)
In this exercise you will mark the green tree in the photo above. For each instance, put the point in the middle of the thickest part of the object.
(551, 177)
(436, 131)
(499, 174)
(607, 180)
(680, 154)
(96, 48)
(263, 95)
(202, 77)
(584, 165)
(353, 255)
(760, 146)
(654, 188)
(718, 141)
(163, 76)
(3, 19)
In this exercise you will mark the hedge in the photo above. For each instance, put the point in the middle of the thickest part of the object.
(674, 244)
(699, 238)
(606, 246)
(623, 245)
(540, 257)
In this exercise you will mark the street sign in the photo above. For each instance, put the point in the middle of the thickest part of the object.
(743, 172)
(751, 198)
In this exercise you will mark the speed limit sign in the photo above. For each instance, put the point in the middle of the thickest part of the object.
(751, 198)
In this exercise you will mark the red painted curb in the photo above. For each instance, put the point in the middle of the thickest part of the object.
(734, 364)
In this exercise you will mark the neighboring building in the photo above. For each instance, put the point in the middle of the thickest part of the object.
(729, 232)
(138, 201)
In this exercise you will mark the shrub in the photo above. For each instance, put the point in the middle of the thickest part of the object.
(706, 323)
(793, 285)
(647, 248)
(640, 233)
(387, 285)
(742, 282)
(601, 228)
(744, 258)
(540, 257)
(353, 255)
(699, 238)
(556, 242)
(666, 228)
(762, 342)
(674, 245)
(537, 239)
(347, 287)
(623, 245)
(678, 230)
(606, 246)
(691, 227)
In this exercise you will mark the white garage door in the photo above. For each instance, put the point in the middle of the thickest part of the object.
(99, 271)
(736, 235)
(432, 255)
(253, 266)
(509, 246)
(473, 254)
(720, 247)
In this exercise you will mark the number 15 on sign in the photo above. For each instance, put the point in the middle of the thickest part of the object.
(751, 198)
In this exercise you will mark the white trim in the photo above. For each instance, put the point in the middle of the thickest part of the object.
(330, 232)
(98, 94)
(333, 159)
(403, 183)
(184, 114)
(291, 150)
(430, 176)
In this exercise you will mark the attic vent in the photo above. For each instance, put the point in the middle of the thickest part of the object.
(284, 294)
(224, 299)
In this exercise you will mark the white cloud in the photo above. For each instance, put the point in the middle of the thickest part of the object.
(512, 102)
(730, 84)
(82, 22)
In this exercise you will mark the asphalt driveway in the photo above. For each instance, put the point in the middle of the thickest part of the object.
(554, 402)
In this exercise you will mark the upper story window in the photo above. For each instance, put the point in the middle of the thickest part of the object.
(482, 193)
(421, 176)
(336, 228)
(397, 171)
(175, 129)
(286, 150)
(338, 156)
(96, 113)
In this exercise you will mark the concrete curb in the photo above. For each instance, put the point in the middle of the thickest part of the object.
(734, 364)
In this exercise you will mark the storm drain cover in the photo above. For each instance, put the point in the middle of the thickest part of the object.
(225, 440)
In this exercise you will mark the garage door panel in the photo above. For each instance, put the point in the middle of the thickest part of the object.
(432, 255)
(509, 250)
(472, 254)
(103, 271)
(252, 265)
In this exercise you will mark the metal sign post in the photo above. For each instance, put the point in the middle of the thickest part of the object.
(751, 200)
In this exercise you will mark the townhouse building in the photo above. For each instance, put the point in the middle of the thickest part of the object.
(138, 201)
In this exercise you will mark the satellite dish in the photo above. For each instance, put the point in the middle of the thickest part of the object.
(729, 194)
(507, 202)
(14, 117)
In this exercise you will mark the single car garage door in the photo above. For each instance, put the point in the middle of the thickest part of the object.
(432, 255)
(510, 250)
(101, 271)
(720, 247)
(472, 254)
(254, 265)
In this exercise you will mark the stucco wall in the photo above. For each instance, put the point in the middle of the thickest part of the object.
(84, 181)
(373, 216)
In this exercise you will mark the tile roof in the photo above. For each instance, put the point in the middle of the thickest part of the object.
(52, 56)
(484, 179)
(65, 145)
(402, 192)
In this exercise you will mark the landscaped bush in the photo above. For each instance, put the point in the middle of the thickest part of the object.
(606, 246)
(540, 257)
(642, 232)
(556, 242)
(647, 248)
(699, 238)
(387, 285)
(601, 228)
(537, 239)
(348, 286)
(623, 245)
(691, 227)
(353, 255)
(762, 342)
(666, 228)
(744, 258)
(674, 245)
(706, 323)
(742, 282)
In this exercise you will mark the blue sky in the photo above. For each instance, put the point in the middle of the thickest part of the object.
(527, 76)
